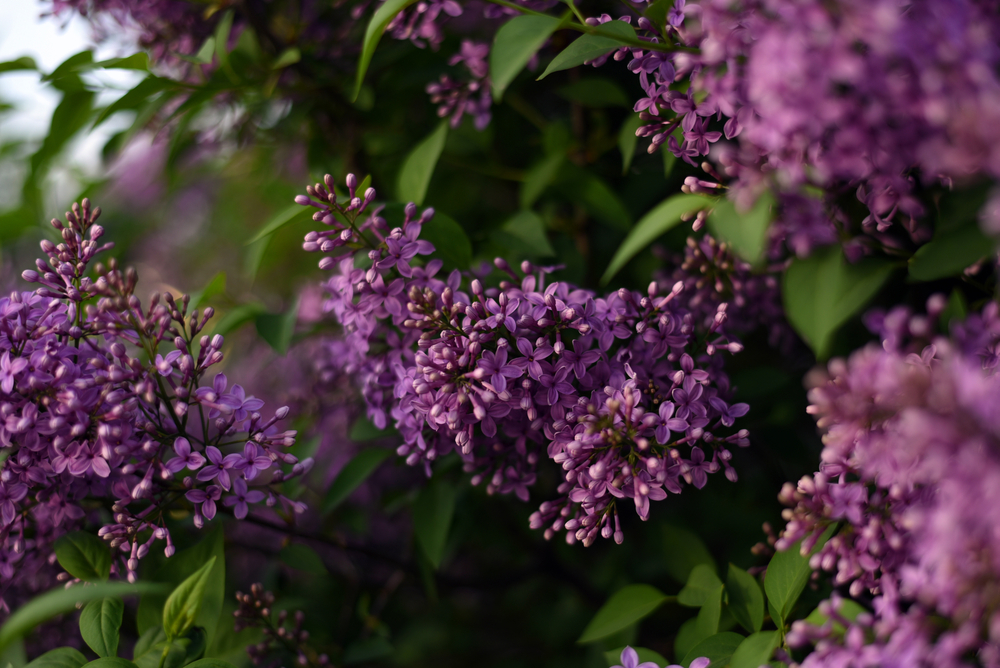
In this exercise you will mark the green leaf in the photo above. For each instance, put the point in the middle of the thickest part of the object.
(514, 45)
(746, 601)
(613, 657)
(591, 46)
(293, 214)
(57, 601)
(524, 235)
(222, 30)
(210, 663)
(539, 177)
(595, 195)
(596, 92)
(137, 61)
(665, 216)
(756, 650)
(184, 603)
(83, 555)
(624, 608)
(683, 551)
(134, 98)
(174, 654)
(451, 243)
(701, 586)
(64, 657)
(432, 513)
(277, 328)
(352, 475)
(22, 63)
(303, 558)
(950, 253)
(99, 624)
(746, 232)
(849, 610)
(627, 141)
(707, 622)
(152, 636)
(418, 168)
(367, 649)
(787, 575)
(237, 317)
(110, 662)
(718, 648)
(956, 309)
(364, 430)
(373, 33)
(823, 291)
(289, 56)
(216, 286)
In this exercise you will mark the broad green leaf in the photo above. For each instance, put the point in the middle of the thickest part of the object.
(134, 98)
(432, 513)
(524, 235)
(745, 231)
(352, 475)
(22, 63)
(657, 12)
(746, 601)
(237, 317)
(787, 575)
(683, 550)
(686, 639)
(591, 46)
(289, 56)
(64, 657)
(585, 188)
(277, 328)
(69, 68)
(99, 623)
(222, 31)
(540, 177)
(624, 608)
(83, 555)
(216, 286)
(701, 586)
(516, 42)
(707, 622)
(303, 558)
(596, 92)
(665, 216)
(367, 649)
(614, 656)
(69, 117)
(293, 214)
(418, 168)
(950, 253)
(58, 601)
(373, 33)
(718, 648)
(175, 654)
(110, 662)
(137, 61)
(627, 141)
(451, 244)
(184, 603)
(823, 291)
(152, 636)
(756, 650)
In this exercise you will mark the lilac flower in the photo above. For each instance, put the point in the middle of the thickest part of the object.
(218, 466)
(206, 498)
(630, 659)
(532, 355)
(496, 367)
(8, 369)
(241, 497)
(186, 458)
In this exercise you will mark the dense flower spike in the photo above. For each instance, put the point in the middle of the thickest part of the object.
(911, 474)
(106, 415)
(625, 392)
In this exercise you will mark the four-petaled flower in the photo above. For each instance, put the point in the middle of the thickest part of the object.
(495, 366)
(218, 466)
(241, 497)
(186, 458)
(8, 369)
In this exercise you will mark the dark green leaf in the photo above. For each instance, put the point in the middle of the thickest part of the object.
(624, 608)
(216, 286)
(822, 291)
(657, 12)
(182, 606)
(950, 253)
(293, 214)
(614, 656)
(756, 650)
(627, 140)
(787, 575)
(137, 61)
(683, 550)
(57, 601)
(373, 33)
(591, 46)
(84, 556)
(665, 216)
(110, 662)
(596, 92)
(22, 63)
(746, 601)
(353, 474)
(210, 663)
(450, 241)
(707, 622)
(99, 623)
(277, 328)
(64, 657)
(78, 62)
(432, 513)
(180, 652)
(591, 192)
(514, 45)
(524, 235)
(746, 232)
(718, 648)
(303, 558)
(152, 636)
(702, 584)
(415, 176)
(364, 430)
(367, 649)
(540, 177)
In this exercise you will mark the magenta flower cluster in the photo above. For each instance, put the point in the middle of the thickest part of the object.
(105, 416)
(910, 474)
(625, 392)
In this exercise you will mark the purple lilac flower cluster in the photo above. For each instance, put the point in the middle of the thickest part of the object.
(630, 659)
(625, 392)
(455, 98)
(911, 475)
(104, 409)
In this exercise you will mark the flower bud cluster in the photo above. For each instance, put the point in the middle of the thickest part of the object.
(624, 392)
(910, 474)
(104, 417)
(280, 634)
